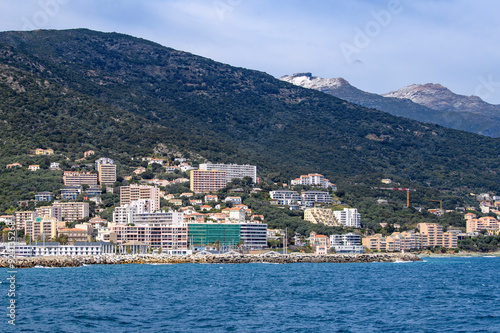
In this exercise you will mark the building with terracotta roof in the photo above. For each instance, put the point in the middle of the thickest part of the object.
(313, 179)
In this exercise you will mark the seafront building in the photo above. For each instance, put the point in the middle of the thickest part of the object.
(430, 235)
(487, 223)
(232, 170)
(346, 243)
(251, 235)
(433, 235)
(40, 249)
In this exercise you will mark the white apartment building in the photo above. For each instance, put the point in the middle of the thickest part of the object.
(285, 197)
(232, 170)
(314, 179)
(349, 217)
(347, 243)
(253, 235)
(309, 198)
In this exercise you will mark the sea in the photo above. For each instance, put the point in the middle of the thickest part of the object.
(448, 294)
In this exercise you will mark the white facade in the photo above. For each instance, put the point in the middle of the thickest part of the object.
(349, 217)
(253, 235)
(313, 179)
(103, 160)
(41, 249)
(285, 197)
(309, 198)
(233, 170)
(347, 243)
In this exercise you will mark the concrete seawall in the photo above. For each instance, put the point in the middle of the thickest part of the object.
(108, 259)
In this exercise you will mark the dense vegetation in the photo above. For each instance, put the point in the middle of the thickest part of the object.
(125, 97)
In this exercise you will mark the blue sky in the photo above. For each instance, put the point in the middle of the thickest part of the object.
(378, 46)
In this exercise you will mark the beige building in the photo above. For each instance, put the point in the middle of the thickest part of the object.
(136, 192)
(49, 211)
(107, 174)
(483, 223)
(72, 211)
(22, 217)
(42, 228)
(203, 181)
(433, 235)
(75, 234)
(72, 178)
(321, 216)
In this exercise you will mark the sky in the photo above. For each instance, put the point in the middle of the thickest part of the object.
(378, 46)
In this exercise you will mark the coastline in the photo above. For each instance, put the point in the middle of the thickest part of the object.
(233, 258)
(459, 254)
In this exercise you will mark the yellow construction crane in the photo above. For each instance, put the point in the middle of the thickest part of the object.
(398, 189)
(440, 205)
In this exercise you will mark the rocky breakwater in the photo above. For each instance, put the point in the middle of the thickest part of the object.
(228, 258)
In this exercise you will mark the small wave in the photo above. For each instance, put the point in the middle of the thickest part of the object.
(37, 266)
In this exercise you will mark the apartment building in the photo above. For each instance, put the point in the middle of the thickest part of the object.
(347, 243)
(321, 216)
(313, 179)
(349, 217)
(107, 174)
(376, 242)
(71, 192)
(319, 243)
(483, 223)
(43, 196)
(203, 181)
(75, 234)
(253, 235)
(232, 170)
(285, 197)
(42, 228)
(22, 217)
(49, 211)
(136, 192)
(103, 160)
(432, 235)
(73, 178)
(310, 198)
(72, 211)
(164, 236)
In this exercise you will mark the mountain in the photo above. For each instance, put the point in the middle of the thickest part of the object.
(426, 103)
(74, 90)
(437, 97)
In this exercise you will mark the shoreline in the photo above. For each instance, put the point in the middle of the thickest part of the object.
(111, 259)
(460, 254)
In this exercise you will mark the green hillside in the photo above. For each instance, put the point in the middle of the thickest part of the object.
(76, 90)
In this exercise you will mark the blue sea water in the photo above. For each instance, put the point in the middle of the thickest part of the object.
(437, 295)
